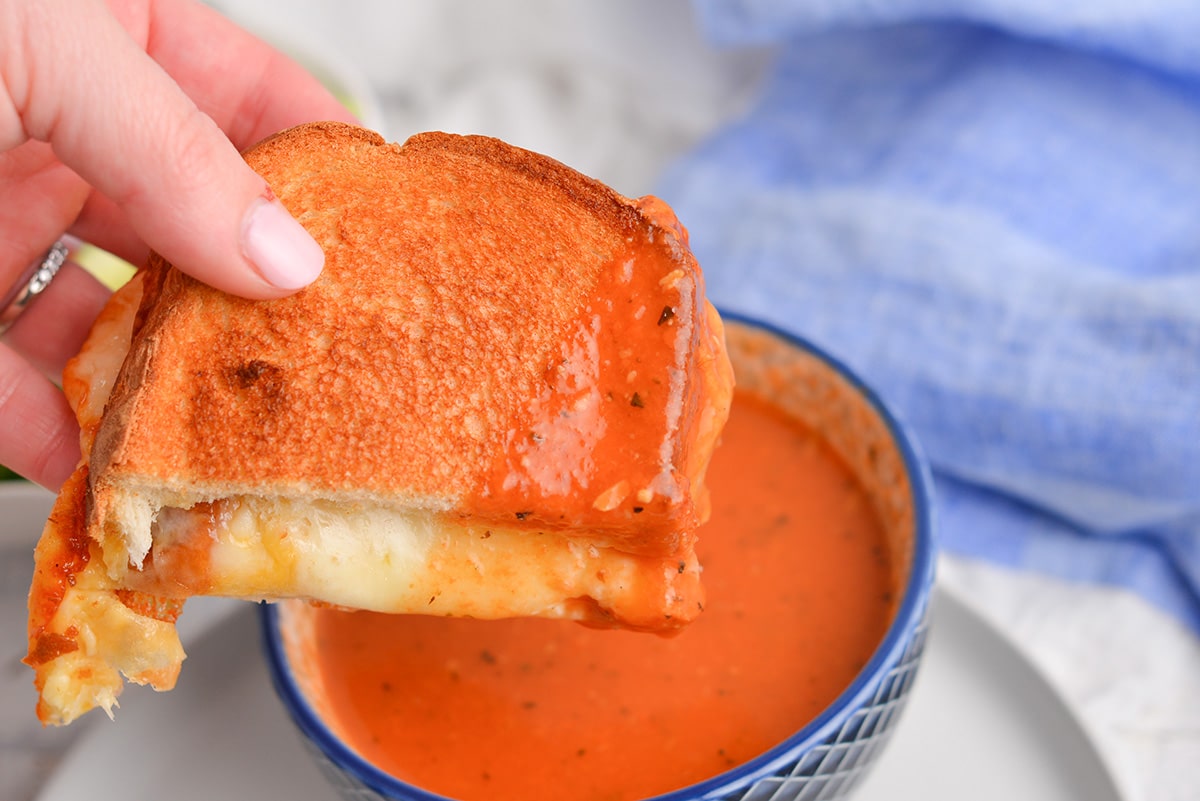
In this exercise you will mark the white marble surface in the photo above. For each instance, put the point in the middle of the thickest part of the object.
(618, 89)
(615, 89)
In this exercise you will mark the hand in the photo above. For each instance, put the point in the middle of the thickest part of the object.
(121, 124)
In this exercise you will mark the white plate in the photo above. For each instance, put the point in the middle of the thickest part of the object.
(981, 724)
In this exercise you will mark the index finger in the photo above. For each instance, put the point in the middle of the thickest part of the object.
(249, 88)
(127, 127)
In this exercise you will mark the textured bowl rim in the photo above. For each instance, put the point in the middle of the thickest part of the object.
(820, 729)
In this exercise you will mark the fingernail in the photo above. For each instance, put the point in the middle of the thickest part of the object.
(279, 247)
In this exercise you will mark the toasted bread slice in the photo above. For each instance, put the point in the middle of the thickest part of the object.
(498, 400)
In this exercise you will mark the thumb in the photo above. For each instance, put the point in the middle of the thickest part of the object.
(119, 120)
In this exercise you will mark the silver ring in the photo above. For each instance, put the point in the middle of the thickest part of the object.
(32, 283)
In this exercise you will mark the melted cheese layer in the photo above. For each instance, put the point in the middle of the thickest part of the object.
(409, 562)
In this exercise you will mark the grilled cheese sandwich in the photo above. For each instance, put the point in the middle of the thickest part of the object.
(499, 400)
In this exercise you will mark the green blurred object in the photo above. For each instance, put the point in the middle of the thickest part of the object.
(107, 268)
(8, 475)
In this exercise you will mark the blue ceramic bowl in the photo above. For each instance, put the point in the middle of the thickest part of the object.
(827, 756)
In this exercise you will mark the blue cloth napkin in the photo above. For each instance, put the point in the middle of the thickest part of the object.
(992, 211)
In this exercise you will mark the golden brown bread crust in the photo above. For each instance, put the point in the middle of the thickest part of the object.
(461, 274)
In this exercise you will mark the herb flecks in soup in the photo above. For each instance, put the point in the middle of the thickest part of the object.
(800, 591)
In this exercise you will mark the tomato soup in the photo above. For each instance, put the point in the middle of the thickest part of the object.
(800, 591)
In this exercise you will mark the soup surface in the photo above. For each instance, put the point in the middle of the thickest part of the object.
(799, 593)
